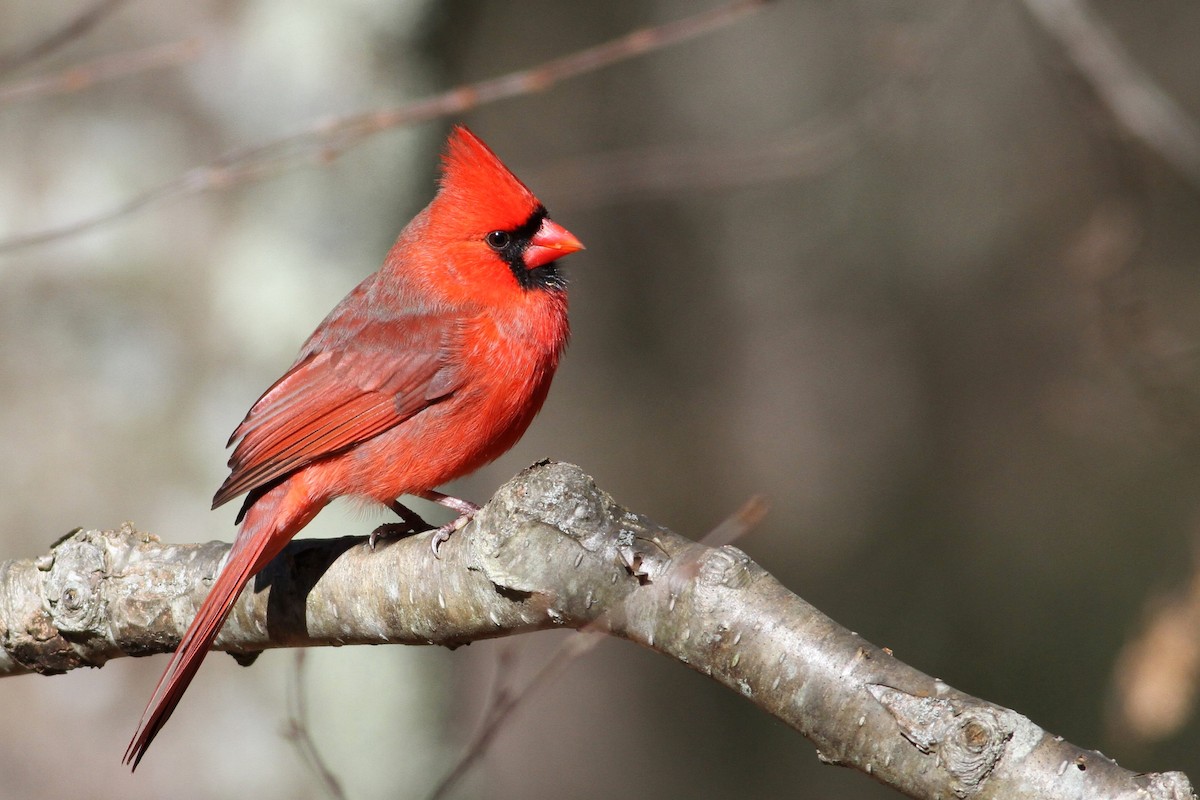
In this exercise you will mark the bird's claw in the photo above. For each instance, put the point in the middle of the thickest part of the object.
(412, 524)
(443, 534)
(389, 530)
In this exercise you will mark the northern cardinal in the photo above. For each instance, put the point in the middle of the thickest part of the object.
(430, 368)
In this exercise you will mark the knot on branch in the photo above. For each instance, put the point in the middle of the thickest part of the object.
(56, 604)
(1169, 786)
(552, 533)
(967, 740)
(72, 588)
(726, 566)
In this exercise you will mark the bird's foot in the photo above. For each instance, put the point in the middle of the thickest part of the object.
(466, 512)
(413, 523)
(443, 534)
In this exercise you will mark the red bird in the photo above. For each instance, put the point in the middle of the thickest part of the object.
(430, 368)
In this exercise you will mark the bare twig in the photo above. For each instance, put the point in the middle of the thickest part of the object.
(813, 147)
(70, 31)
(740, 523)
(505, 701)
(299, 732)
(326, 141)
(1137, 103)
(120, 65)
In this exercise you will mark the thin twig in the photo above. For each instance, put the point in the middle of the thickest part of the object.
(1136, 102)
(86, 75)
(299, 734)
(64, 35)
(813, 147)
(505, 700)
(320, 144)
(740, 523)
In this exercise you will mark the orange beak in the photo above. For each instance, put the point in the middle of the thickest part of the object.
(552, 241)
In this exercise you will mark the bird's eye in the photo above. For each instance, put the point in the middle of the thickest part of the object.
(498, 240)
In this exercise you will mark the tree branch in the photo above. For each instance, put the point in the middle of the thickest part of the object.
(551, 550)
(324, 141)
(1135, 101)
(74, 28)
(107, 68)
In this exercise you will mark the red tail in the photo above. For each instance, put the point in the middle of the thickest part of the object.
(268, 526)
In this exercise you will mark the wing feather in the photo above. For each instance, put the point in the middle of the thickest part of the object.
(332, 400)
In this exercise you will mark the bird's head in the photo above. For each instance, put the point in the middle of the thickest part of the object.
(495, 232)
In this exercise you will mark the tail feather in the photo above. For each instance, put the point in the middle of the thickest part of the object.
(187, 659)
(191, 651)
(268, 527)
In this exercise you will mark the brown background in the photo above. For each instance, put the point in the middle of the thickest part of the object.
(889, 263)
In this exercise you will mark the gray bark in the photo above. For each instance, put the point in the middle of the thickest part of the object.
(551, 550)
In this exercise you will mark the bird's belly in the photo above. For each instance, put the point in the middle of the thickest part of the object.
(446, 440)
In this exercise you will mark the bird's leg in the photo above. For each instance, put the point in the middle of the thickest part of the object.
(410, 517)
(413, 523)
(466, 511)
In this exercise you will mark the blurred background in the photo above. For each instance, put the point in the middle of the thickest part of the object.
(894, 265)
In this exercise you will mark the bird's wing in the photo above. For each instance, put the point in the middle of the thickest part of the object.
(332, 399)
